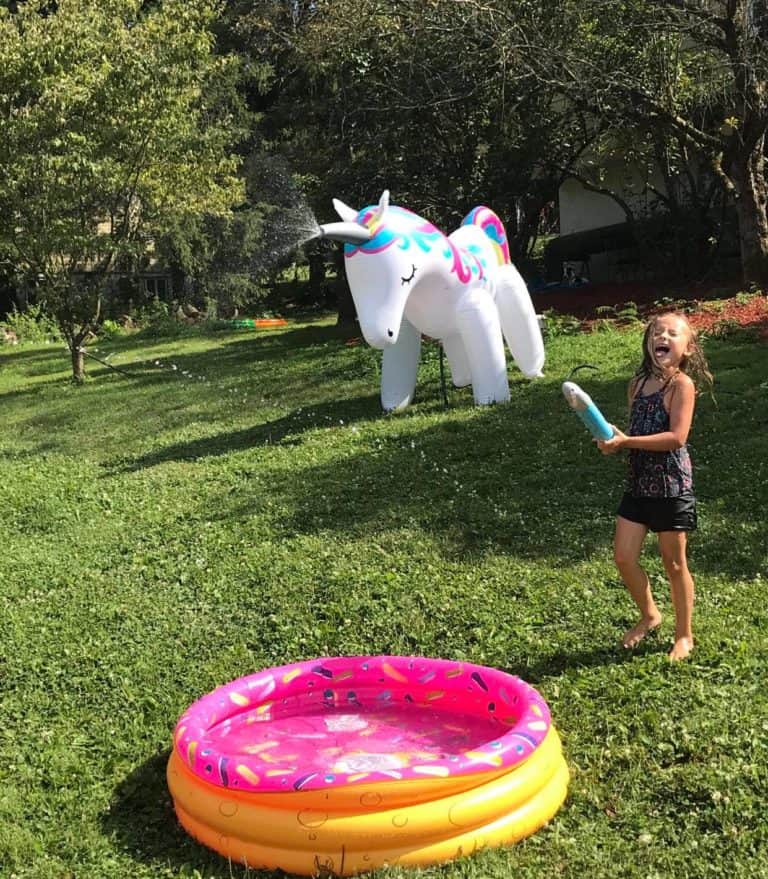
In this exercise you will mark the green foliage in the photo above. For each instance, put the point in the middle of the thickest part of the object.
(235, 260)
(558, 324)
(676, 86)
(628, 312)
(672, 303)
(106, 134)
(155, 320)
(169, 530)
(31, 325)
(110, 329)
(625, 314)
(427, 99)
(445, 103)
(154, 311)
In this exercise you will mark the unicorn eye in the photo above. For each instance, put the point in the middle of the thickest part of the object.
(409, 279)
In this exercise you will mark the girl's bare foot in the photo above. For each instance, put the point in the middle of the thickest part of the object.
(632, 637)
(682, 649)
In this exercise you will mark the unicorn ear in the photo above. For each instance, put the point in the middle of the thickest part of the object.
(348, 214)
(381, 210)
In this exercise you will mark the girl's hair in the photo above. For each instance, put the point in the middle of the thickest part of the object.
(694, 364)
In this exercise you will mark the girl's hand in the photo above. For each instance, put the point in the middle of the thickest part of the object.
(614, 444)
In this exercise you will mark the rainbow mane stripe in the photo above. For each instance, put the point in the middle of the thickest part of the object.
(489, 222)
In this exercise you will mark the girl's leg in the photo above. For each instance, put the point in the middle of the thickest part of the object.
(672, 546)
(627, 544)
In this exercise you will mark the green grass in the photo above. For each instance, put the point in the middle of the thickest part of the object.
(166, 532)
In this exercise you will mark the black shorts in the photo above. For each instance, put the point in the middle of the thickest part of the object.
(660, 514)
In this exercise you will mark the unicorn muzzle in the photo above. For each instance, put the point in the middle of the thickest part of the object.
(379, 334)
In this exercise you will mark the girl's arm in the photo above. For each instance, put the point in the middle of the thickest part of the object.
(681, 406)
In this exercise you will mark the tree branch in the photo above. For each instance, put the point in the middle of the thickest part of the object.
(602, 190)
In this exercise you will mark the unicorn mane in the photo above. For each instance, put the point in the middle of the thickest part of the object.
(398, 226)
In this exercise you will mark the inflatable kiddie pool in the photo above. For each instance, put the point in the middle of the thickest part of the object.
(258, 323)
(345, 764)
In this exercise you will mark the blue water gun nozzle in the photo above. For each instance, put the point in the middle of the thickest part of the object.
(582, 404)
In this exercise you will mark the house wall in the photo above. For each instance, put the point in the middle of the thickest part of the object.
(581, 209)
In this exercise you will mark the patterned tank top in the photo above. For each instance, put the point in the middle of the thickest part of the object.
(656, 474)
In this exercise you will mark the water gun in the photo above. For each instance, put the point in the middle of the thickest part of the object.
(582, 404)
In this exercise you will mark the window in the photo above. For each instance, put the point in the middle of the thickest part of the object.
(156, 287)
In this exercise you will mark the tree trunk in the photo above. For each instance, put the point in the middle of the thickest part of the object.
(78, 363)
(347, 315)
(316, 273)
(749, 175)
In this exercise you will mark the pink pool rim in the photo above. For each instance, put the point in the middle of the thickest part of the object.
(342, 721)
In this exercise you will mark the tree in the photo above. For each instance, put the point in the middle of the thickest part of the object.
(108, 134)
(427, 99)
(688, 77)
(234, 259)
(448, 103)
(728, 50)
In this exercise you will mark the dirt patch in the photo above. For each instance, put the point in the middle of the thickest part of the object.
(720, 317)
(585, 301)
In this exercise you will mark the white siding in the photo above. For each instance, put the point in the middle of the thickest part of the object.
(582, 209)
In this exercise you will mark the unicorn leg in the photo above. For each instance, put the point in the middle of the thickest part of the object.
(461, 375)
(480, 331)
(518, 321)
(399, 368)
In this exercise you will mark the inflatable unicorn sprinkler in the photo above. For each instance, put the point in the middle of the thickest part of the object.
(407, 279)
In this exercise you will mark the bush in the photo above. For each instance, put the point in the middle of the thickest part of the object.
(623, 314)
(110, 329)
(155, 321)
(31, 325)
(561, 324)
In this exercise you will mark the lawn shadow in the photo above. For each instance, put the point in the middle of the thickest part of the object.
(284, 431)
(524, 477)
(730, 467)
(276, 344)
(163, 388)
(306, 343)
(491, 481)
(142, 821)
(224, 352)
(34, 363)
(45, 352)
(555, 664)
(520, 478)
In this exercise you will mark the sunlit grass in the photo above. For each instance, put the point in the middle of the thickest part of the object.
(239, 501)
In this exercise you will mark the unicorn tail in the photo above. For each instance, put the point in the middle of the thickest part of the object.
(490, 223)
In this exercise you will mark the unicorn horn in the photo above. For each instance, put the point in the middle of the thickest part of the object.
(352, 233)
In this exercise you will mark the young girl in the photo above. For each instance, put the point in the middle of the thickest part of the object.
(659, 493)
